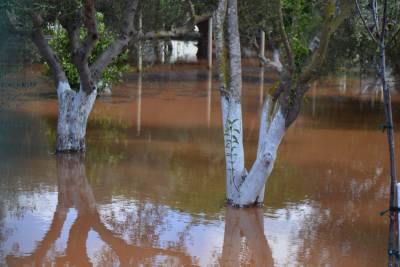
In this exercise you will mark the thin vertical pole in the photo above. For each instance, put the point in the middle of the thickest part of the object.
(314, 97)
(209, 92)
(139, 106)
(139, 47)
(398, 205)
(210, 45)
(262, 44)
(161, 47)
(261, 86)
(393, 234)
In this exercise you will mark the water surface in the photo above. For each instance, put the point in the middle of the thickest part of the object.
(150, 190)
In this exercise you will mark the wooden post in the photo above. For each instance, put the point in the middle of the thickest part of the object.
(262, 44)
(139, 47)
(210, 46)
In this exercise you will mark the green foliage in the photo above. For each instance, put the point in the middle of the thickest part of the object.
(163, 14)
(252, 18)
(302, 20)
(232, 135)
(60, 44)
(300, 50)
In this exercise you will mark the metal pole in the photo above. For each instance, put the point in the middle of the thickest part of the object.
(393, 208)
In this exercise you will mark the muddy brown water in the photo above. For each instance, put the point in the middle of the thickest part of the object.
(150, 189)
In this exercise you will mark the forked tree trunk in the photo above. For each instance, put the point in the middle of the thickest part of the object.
(75, 107)
(278, 112)
(243, 188)
(73, 112)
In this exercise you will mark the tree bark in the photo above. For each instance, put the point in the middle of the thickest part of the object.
(278, 112)
(243, 189)
(75, 107)
(231, 103)
(73, 112)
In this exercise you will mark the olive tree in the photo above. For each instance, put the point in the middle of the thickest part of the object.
(78, 19)
(282, 106)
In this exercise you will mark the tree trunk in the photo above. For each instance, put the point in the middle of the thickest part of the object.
(243, 188)
(234, 150)
(74, 109)
(272, 130)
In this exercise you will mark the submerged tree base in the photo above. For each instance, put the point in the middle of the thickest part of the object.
(65, 145)
(73, 112)
(231, 203)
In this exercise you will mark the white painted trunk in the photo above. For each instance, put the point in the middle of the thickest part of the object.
(250, 189)
(74, 109)
(233, 140)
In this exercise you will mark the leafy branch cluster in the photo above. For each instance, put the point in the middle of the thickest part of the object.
(59, 41)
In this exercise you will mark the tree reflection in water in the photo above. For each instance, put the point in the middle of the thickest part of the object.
(244, 239)
(74, 192)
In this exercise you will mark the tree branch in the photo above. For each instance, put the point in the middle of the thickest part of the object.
(235, 67)
(220, 50)
(82, 50)
(184, 31)
(331, 24)
(91, 26)
(192, 9)
(393, 38)
(45, 50)
(364, 22)
(127, 32)
(264, 125)
(286, 41)
(180, 32)
(374, 11)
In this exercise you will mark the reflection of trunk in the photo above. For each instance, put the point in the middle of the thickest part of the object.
(75, 192)
(74, 109)
(209, 92)
(139, 106)
(245, 224)
(343, 84)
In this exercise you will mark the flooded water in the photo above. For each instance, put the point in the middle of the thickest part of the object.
(150, 190)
